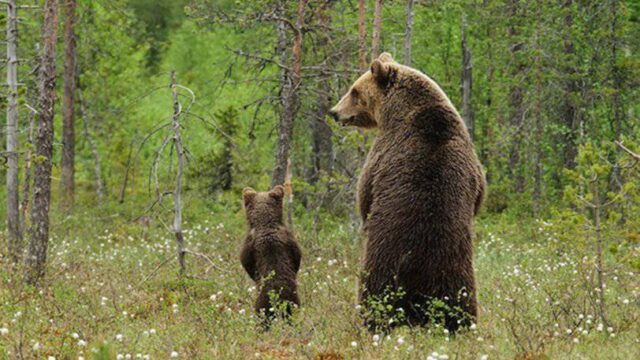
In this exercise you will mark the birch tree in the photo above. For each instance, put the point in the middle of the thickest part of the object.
(14, 235)
(408, 33)
(466, 80)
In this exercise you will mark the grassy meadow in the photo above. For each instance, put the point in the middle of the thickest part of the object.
(113, 291)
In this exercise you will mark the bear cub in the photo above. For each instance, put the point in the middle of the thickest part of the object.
(270, 254)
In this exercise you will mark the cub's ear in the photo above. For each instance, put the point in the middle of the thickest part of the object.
(248, 194)
(381, 72)
(277, 192)
(385, 57)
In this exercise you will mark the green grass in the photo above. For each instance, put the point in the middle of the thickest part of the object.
(112, 289)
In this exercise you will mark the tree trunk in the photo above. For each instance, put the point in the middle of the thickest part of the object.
(14, 235)
(516, 118)
(177, 205)
(26, 184)
(408, 33)
(321, 142)
(467, 81)
(377, 27)
(617, 110)
(485, 128)
(68, 131)
(291, 102)
(537, 186)
(86, 132)
(285, 88)
(362, 34)
(570, 111)
(39, 234)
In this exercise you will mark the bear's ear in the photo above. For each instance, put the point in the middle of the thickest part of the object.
(380, 72)
(277, 192)
(248, 194)
(385, 57)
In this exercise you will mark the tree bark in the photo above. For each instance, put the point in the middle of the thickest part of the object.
(408, 33)
(291, 101)
(321, 142)
(177, 205)
(68, 129)
(362, 34)
(537, 185)
(617, 110)
(39, 233)
(485, 129)
(377, 28)
(26, 183)
(516, 98)
(14, 235)
(86, 132)
(467, 81)
(570, 111)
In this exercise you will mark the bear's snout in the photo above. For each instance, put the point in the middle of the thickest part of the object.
(334, 115)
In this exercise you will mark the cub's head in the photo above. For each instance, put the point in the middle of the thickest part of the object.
(263, 208)
(361, 105)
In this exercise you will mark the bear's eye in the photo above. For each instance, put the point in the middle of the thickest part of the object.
(355, 94)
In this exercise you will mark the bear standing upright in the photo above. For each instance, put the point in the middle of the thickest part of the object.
(421, 186)
(270, 254)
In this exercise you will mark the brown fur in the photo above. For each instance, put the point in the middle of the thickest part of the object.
(270, 254)
(420, 188)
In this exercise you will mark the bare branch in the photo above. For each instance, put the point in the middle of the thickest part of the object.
(626, 149)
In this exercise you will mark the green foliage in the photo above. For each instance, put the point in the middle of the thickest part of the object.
(215, 169)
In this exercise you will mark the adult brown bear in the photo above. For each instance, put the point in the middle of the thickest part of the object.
(420, 188)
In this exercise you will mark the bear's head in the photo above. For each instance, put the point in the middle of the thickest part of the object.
(263, 209)
(361, 105)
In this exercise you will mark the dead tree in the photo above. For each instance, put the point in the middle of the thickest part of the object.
(173, 140)
(408, 33)
(177, 143)
(14, 235)
(39, 233)
(291, 101)
(68, 129)
(377, 28)
(466, 80)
